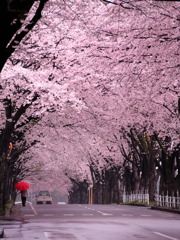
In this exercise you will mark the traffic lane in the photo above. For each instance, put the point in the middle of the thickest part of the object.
(75, 210)
(120, 211)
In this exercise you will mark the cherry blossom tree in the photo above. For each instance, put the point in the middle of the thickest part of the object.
(12, 16)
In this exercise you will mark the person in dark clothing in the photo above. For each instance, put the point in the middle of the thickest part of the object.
(24, 195)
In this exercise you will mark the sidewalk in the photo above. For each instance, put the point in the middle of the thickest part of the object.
(10, 226)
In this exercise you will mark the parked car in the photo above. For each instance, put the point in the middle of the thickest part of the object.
(44, 197)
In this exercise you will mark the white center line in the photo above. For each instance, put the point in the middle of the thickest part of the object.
(48, 215)
(106, 214)
(145, 215)
(163, 235)
(88, 214)
(68, 214)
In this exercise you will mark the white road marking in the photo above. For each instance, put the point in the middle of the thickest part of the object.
(33, 209)
(163, 235)
(48, 215)
(46, 235)
(68, 215)
(104, 214)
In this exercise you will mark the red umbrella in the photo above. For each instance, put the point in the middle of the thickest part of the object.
(22, 186)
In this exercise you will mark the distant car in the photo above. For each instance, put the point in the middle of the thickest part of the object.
(44, 197)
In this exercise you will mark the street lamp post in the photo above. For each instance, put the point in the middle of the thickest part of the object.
(91, 194)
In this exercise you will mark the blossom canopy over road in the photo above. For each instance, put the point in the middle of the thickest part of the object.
(94, 67)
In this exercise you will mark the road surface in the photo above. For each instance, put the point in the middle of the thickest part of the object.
(94, 222)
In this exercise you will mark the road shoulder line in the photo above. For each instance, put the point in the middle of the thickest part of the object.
(163, 235)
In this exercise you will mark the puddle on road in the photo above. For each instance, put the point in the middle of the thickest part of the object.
(58, 235)
(140, 236)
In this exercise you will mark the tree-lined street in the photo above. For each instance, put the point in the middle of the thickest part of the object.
(92, 222)
(90, 100)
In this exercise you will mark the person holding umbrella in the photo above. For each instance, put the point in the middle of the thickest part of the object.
(22, 187)
(24, 195)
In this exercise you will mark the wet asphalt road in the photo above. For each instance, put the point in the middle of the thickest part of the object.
(93, 222)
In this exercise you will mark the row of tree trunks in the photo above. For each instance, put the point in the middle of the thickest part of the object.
(106, 187)
(11, 166)
(149, 158)
(12, 14)
(78, 192)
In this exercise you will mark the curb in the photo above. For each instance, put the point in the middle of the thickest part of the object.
(135, 204)
(166, 209)
(1, 232)
(154, 207)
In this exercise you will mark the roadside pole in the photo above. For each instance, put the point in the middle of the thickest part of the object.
(91, 194)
